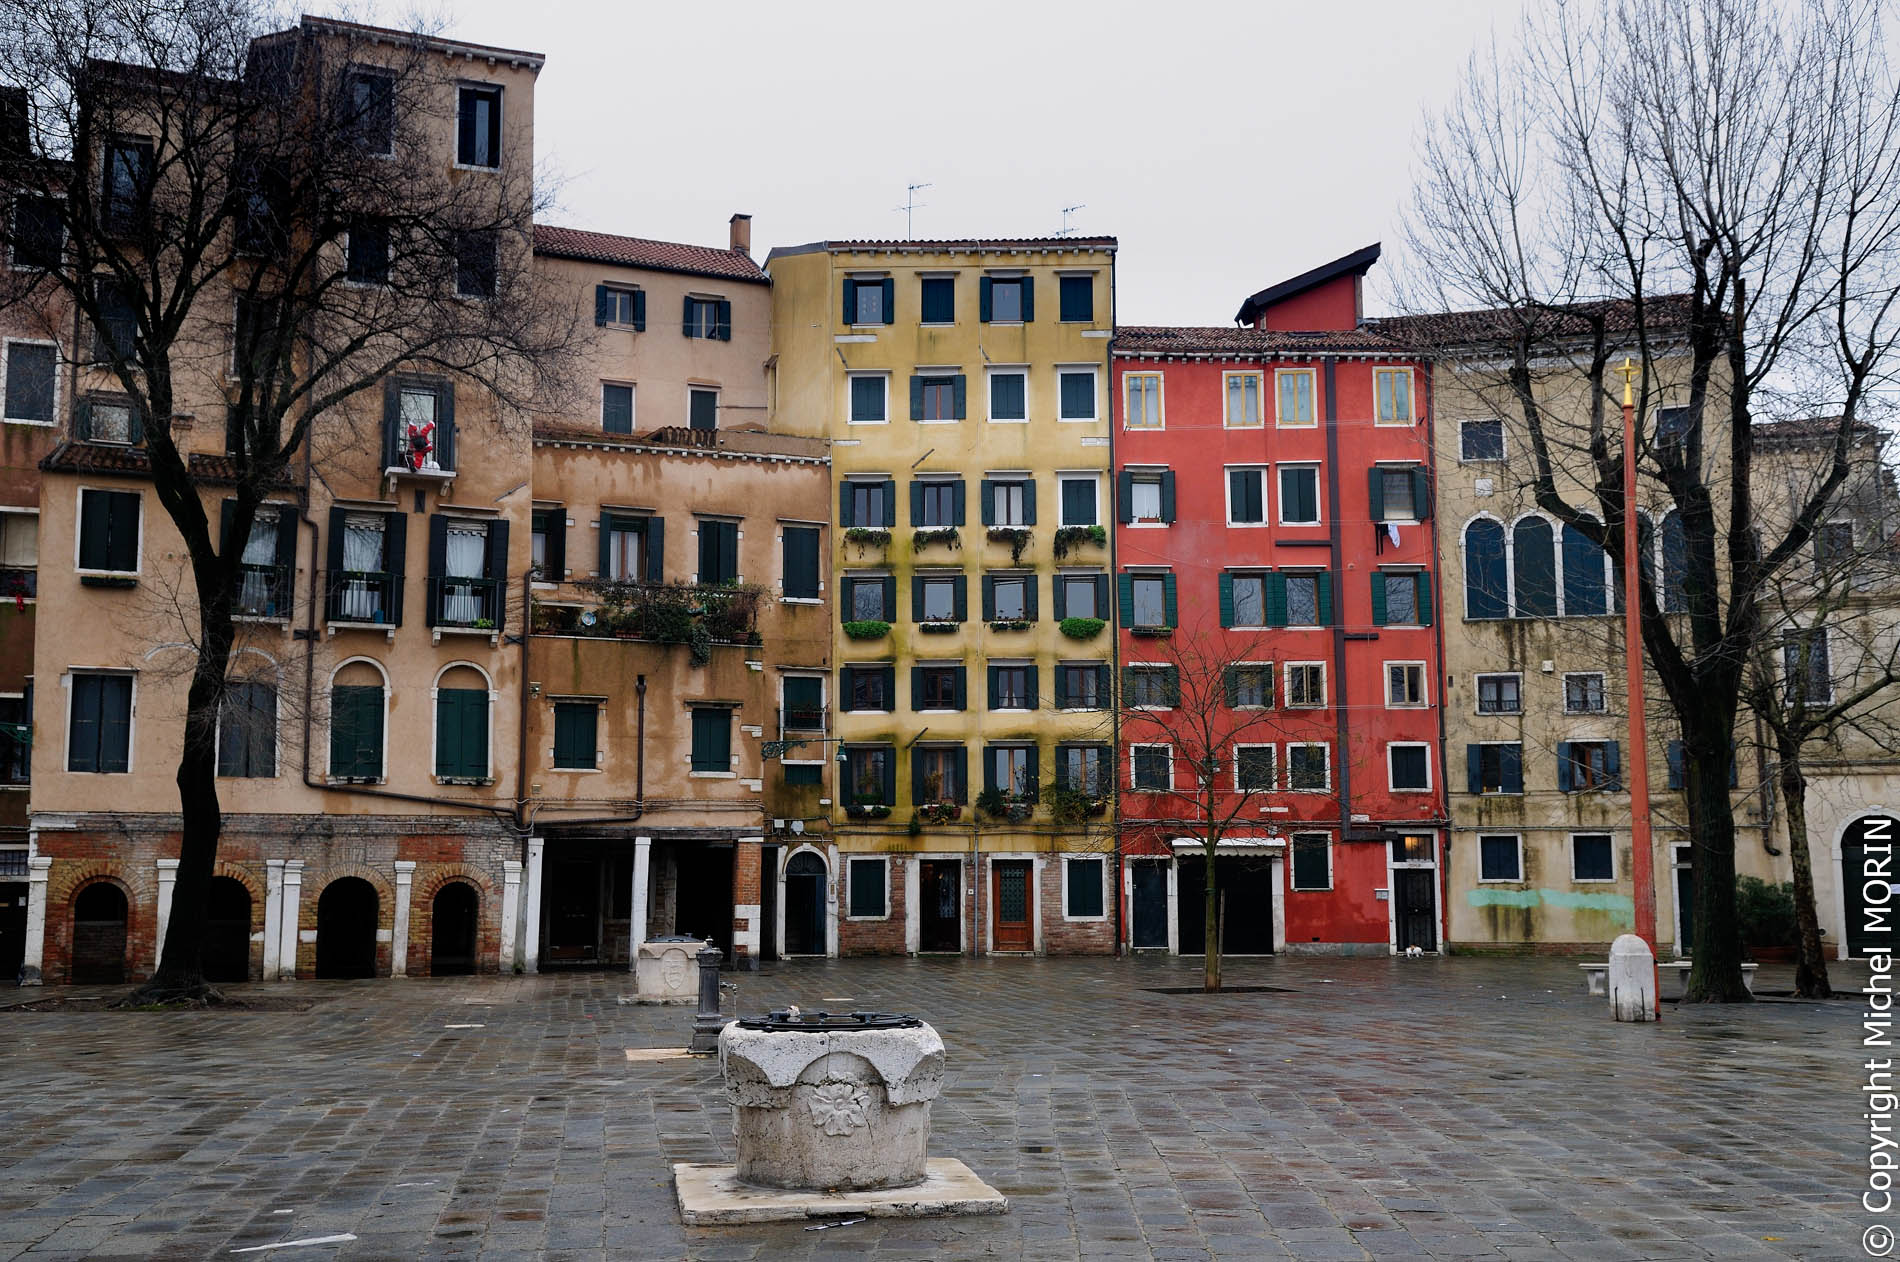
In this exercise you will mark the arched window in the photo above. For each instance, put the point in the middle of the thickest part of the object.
(1585, 592)
(1486, 592)
(1534, 559)
(461, 724)
(1675, 564)
(357, 696)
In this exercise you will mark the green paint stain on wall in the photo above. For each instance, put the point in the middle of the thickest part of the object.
(1621, 907)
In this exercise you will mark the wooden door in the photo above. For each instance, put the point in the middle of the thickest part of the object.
(940, 902)
(1415, 907)
(1009, 903)
(1151, 905)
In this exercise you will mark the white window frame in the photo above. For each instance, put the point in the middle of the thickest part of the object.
(501, 126)
(1399, 466)
(1500, 791)
(1271, 681)
(1261, 577)
(1292, 838)
(1286, 692)
(633, 405)
(1319, 492)
(1477, 692)
(1095, 486)
(435, 719)
(1274, 786)
(779, 539)
(1519, 878)
(846, 861)
(1411, 398)
(850, 390)
(1312, 394)
(1227, 494)
(1142, 475)
(1226, 398)
(79, 519)
(1161, 407)
(131, 721)
(1391, 781)
(877, 280)
(1592, 880)
(1424, 687)
(1064, 882)
(6, 345)
(382, 770)
(717, 392)
(990, 374)
(1168, 748)
(1504, 441)
(1324, 745)
(1603, 690)
(1095, 391)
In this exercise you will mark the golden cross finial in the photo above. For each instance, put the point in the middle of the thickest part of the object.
(1629, 373)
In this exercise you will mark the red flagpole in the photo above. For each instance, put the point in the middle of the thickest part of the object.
(1642, 855)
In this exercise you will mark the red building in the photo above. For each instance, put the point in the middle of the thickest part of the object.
(1278, 620)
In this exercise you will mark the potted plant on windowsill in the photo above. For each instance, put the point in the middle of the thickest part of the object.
(940, 628)
(1000, 805)
(862, 537)
(1071, 537)
(1082, 628)
(1017, 537)
(1072, 806)
(939, 812)
(948, 536)
(1010, 624)
(867, 629)
(868, 806)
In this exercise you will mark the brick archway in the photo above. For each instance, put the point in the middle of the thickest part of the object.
(422, 918)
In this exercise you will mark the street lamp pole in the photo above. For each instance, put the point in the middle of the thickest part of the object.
(1642, 854)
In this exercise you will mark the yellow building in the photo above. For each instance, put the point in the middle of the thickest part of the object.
(964, 386)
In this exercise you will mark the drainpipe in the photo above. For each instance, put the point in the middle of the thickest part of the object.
(1114, 637)
(522, 790)
(1335, 577)
(1438, 648)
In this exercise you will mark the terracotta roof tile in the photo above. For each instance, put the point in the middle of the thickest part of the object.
(659, 256)
(1143, 339)
(73, 456)
(1451, 328)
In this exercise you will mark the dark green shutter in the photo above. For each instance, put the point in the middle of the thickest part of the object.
(890, 777)
(986, 500)
(1613, 764)
(286, 533)
(1030, 609)
(1326, 599)
(1029, 298)
(1167, 495)
(1029, 502)
(844, 505)
(1276, 600)
(655, 551)
(850, 301)
(959, 682)
(889, 582)
(916, 687)
(989, 598)
(723, 313)
(890, 299)
(992, 688)
(916, 397)
(956, 503)
(1378, 598)
(916, 502)
(917, 798)
(916, 598)
(960, 400)
(1125, 497)
(1226, 599)
(890, 504)
(1061, 695)
(438, 564)
(1101, 596)
(983, 300)
(1564, 784)
(603, 305)
(961, 586)
(1171, 684)
(1230, 685)
(1167, 586)
(1061, 597)
(1375, 493)
(395, 559)
(1474, 769)
(1421, 493)
(1424, 599)
(1512, 768)
(605, 525)
(461, 733)
(1125, 594)
(639, 311)
(1032, 686)
(686, 317)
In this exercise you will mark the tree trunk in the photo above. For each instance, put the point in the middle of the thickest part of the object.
(1716, 975)
(1810, 971)
(1210, 931)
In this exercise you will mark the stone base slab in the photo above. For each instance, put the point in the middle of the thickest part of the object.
(712, 1196)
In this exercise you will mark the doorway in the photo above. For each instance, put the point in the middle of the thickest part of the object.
(574, 911)
(346, 929)
(453, 918)
(1009, 902)
(12, 932)
(1149, 928)
(227, 949)
(99, 934)
(1685, 900)
(805, 904)
(702, 893)
(768, 903)
(1881, 832)
(939, 905)
(1415, 905)
(1243, 892)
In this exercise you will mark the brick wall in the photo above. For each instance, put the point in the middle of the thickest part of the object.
(872, 937)
(1076, 937)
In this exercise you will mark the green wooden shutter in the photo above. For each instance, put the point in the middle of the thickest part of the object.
(1424, 599)
(1029, 502)
(723, 313)
(1032, 686)
(916, 502)
(639, 311)
(1421, 493)
(1167, 588)
(916, 397)
(1474, 769)
(1030, 584)
(956, 503)
(986, 501)
(916, 598)
(461, 733)
(890, 504)
(1230, 685)
(844, 506)
(1029, 298)
(1613, 764)
(686, 317)
(960, 686)
(1167, 495)
(1060, 597)
(989, 598)
(889, 582)
(961, 586)
(890, 777)
(656, 549)
(983, 300)
(1378, 598)
(1276, 600)
(1101, 596)
(1125, 593)
(603, 305)
(1125, 497)
(1062, 691)
(1226, 599)
(1512, 769)
(1171, 684)
(850, 301)
(991, 671)
(960, 396)
(1375, 493)
(1564, 784)
(890, 299)
(1326, 599)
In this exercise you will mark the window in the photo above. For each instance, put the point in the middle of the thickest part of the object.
(356, 731)
(366, 253)
(1583, 693)
(1500, 858)
(1246, 497)
(1481, 440)
(1012, 688)
(1080, 687)
(1495, 767)
(624, 549)
(1674, 544)
(478, 127)
(1009, 597)
(718, 552)
(1393, 386)
(1308, 768)
(1586, 580)
(868, 688)
(802, 704)
(1078, 299)
(127, 188)
(19, 556)
(867, 598)
(702, 410)
(1009, 395)
(1249, 686)
(1587, 765)
(937, 775)
(1295, 392)
(938, 295)
(1592, 857)
(616, 408)
(868, 300)
(620, 308)
(461, 730)
(468, 565)
(1009, 502)
(801, 579)
(936, 503)
(99, 736)
(264, 562)
(31, 372)
(1833, 542)
(1149, 687)
(938, 687)
(1804, 664)
(867, 503)
(1146, 501)
(1299, 495)
(712, 740)
(1083, 769)
(1312, 861)
(1246, 595)
(1243, 400)
(576, 735)
(1081, 595)
(1143, 409)
(366, 556)
(109, 531)
(16, 743)
(548, 550)
(369, 97)
(868, 403)
(1487, 592)
(1151, 768)
(1007, 300)
(1076, 390)
(1308, 600)
(707, 318)
(1306, 684)
(1011, 769)
(1078, 501)
(1404, 683)
(1534, 558)
(419, 425)
(1410, 766)
(1498, 694)
(870, 775)
(1253, 769)
(938, 597)
(937, 397)
(39, 236)
(114, 336)
(1672, 425)
(1401, 598)
(866, 881)
(1082, 890)
(475, 264)
(1150, 592)
(1399, 493)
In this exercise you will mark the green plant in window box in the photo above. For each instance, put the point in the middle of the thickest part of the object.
(1155, 633)
(484, 624)
(938, 812)
(1017, 537)
(863, 537)
(868, 806)
(949, 536)
(1010, 624)
(1069, 538)
(940, 628)
(1081, 628)
(1072, 806)
(867, 629)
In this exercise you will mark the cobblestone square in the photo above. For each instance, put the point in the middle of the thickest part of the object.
(1367, 1108)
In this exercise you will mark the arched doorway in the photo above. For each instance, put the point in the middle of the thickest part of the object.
(805, 904)
(228, 931)
(453, 917)
(99, 934)
(1876, 835)
(346, 929)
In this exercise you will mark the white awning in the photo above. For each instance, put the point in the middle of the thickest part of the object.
(1232, 845)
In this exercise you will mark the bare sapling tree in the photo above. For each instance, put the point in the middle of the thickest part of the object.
(259, 224)
(1710, 188)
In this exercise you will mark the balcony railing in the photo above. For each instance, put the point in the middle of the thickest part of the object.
(464, 602)
(264, 591)
(801, 719)
(364, 596)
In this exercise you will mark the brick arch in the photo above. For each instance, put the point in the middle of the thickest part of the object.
(139, 919)
(252, 885)
(422, 915)
(314, 883)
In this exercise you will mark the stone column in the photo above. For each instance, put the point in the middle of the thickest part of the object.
(293, 912)
(399, 940)
(510, 912)
(637, 931)
(37, 870)
(746, 901)
(167, 879)
(531, 911)
(273, 917)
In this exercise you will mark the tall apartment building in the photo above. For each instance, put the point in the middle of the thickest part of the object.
(964, 386)
(1275, 535)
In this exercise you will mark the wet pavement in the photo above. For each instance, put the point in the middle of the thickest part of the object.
(1462, 1108)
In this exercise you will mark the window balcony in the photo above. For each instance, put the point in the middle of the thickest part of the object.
(364, 597)
(464, 602)
(801, 719)
(264, 592)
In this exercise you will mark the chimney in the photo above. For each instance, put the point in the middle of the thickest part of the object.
(741, 238)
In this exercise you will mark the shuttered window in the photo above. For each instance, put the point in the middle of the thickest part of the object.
(718, 552)
(247, 730)
(356, 731)
(461, 733)
(100, 736)
(576, 734)
(109, 531)
(1486, 585)
(866, 880)
(1312, 861)
(1085, 886)
(801, 562)
(712, 739)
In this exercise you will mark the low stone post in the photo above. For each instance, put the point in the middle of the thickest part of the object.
(1632, 979)
(708, 1023)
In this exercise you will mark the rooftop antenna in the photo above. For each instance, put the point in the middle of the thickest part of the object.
(1066, 212)
(911, 205)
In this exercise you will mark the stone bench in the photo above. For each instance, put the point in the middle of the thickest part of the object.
(1596, 976)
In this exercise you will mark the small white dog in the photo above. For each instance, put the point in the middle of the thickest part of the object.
(1413, 953)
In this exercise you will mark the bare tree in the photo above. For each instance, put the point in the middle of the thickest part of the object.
(1709, 187)
(262, 222)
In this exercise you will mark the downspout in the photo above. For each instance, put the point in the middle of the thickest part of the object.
(1438, 665)
(1114, 635)
(1335, 575)
(522, 790)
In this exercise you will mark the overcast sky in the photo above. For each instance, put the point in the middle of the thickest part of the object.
(1227, 145)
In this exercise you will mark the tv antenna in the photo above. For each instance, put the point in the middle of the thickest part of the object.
(911, 205)
(1066, 212)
